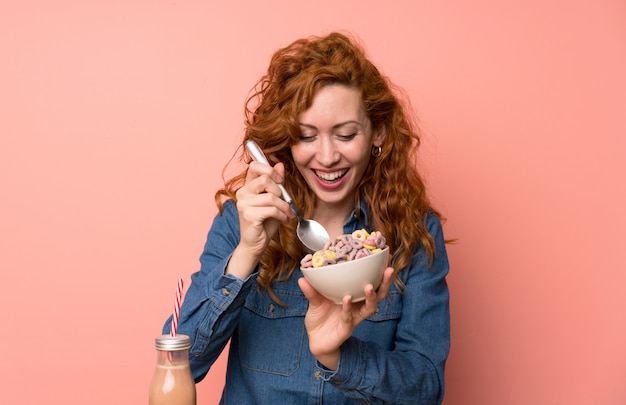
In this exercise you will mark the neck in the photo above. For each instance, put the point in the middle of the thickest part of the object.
(333, 217)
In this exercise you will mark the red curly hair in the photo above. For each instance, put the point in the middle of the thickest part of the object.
(398, 205)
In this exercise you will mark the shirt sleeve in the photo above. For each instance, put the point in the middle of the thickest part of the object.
(413, 371)
(212, 305)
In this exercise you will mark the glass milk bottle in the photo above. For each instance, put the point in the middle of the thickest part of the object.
(172, 383)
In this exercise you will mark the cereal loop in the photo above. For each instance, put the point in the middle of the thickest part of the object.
(356, 243)
(345, 248)
(360, 234)
(369, 243)
(318, 260)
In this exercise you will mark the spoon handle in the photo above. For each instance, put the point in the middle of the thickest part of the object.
(258, 155)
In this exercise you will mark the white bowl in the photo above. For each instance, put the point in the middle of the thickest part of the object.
(335, 281)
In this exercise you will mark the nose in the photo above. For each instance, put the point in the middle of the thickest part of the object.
(327, 154)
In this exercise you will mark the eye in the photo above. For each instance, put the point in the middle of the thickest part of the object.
(307, 138)
(346, 137)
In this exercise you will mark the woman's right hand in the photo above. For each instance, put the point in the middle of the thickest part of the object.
(261, 210)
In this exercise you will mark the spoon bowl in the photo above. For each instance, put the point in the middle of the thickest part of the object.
(311, 233)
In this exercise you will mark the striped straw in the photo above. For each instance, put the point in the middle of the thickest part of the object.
(179, 295)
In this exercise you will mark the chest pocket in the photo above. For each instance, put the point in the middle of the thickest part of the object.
(381, 327)
(271, 337)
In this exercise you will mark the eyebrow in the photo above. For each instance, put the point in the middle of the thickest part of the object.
(339, 125)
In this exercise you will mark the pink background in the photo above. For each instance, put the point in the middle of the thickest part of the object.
(117, 117)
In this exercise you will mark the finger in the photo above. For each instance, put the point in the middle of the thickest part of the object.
(256, 169)
(370, 307)
(314, 297)
(383, 289)
(259, 215)
(279, 173)
(346, 310)
(259, 180)
(260, 184)
(253, 197)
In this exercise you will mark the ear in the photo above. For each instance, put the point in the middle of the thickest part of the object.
(379, 136)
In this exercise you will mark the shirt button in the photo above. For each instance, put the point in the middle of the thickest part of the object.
(317, 375)
(272, 308)
(225, 291)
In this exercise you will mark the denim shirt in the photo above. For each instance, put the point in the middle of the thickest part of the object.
(396, 356)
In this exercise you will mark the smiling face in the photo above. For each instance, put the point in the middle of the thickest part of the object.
(335, 146)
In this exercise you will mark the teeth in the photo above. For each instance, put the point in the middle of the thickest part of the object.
(330, 176)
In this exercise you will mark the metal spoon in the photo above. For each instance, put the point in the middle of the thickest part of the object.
(311, 233)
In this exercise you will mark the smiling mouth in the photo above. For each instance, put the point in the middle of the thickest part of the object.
(329, 177)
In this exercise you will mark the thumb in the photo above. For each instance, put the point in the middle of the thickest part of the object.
(279, 173)
(310, 293)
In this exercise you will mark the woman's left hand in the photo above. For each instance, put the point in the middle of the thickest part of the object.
(329, 325)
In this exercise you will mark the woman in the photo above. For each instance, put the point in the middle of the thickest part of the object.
(342, 145)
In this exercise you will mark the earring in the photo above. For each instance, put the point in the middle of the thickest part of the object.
(377, 151)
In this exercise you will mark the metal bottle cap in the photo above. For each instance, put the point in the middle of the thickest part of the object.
(172, 343)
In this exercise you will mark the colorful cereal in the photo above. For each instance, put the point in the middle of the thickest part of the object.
(345, 248)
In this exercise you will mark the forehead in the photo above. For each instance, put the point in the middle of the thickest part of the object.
(334, 103)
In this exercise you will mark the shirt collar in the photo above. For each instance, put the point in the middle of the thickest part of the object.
(359, 218)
